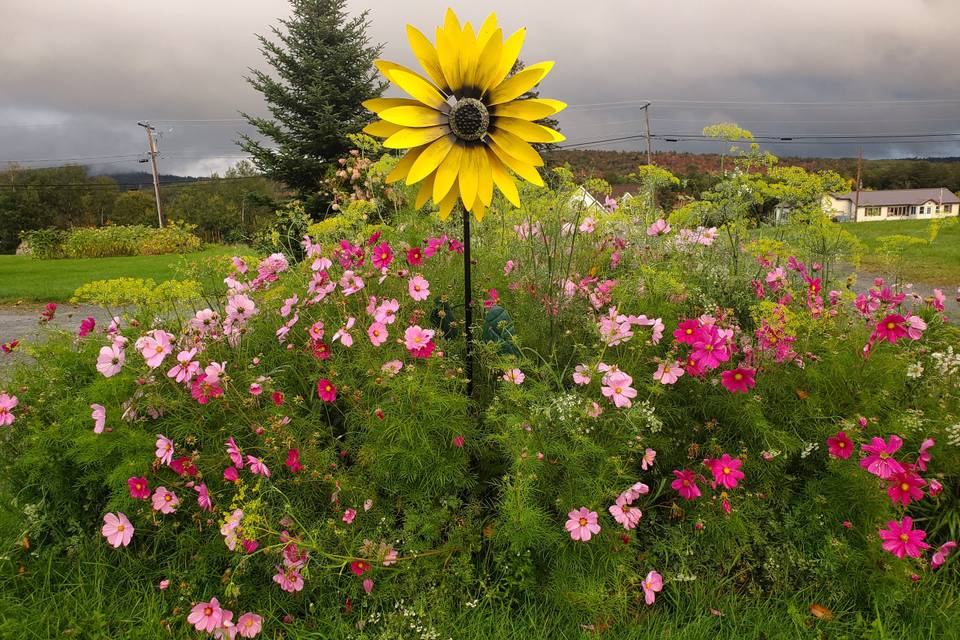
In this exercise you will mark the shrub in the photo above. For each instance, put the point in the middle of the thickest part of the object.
(103, 242)
(45, 244)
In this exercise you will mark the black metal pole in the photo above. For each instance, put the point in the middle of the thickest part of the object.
(468, 302)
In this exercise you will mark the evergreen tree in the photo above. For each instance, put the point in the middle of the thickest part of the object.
(322, 71)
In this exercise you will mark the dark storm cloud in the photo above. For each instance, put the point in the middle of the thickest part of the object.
(78, 75)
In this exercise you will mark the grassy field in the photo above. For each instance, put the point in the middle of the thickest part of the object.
(24, 279)
(936, 263)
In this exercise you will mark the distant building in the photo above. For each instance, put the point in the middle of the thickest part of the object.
(895, 204)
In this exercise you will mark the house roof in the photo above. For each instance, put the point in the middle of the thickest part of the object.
(901, 196)
(617, 191)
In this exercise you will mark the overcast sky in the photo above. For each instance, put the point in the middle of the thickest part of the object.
(76, 76)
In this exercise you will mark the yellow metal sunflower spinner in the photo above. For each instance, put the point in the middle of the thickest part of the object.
(465, 129)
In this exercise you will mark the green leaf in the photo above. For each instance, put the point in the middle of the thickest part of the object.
(498, 327)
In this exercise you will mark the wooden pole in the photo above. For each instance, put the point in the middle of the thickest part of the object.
(856, 200)
(156, 176)
(646, 115)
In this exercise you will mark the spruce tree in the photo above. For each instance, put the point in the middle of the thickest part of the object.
(322, 70)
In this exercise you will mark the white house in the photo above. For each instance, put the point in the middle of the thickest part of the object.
(895, 204)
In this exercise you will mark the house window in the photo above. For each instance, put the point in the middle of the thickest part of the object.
(945, 208)
(871, 211)
(900, 210)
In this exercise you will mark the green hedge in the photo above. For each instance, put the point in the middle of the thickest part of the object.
(102, 242)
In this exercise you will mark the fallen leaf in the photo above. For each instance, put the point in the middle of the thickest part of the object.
(821, 612)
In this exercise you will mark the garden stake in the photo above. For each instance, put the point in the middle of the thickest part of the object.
(467, 302)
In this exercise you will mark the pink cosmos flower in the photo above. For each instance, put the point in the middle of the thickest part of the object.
(257, 466)
(414, 256)
(880, 462)
(458, 441)
(418, 341)
(668, 372)
(87, 326)
(350, 283)
(941, 554)
(293, 461)
(203, 388)
(368, 585)
(236, 456)
(582, 524)
(381, 256)
(289, 579)
(99, 416)
(925, 457)
(726, 470)
(110, 360)
(343, 334)
(392, 367)
(891, 328)
(589, 225)
(163, 585)
(117, 530)
(635, 491)
(515, 376)
(840, 446)
(249, 625)
(386, 313)
(648, 457)
(915, 327)
(326, 391)
(230, 474)
(139, 489)
(186, 366)
(658, 228)
(203, 497)
(164, 448)
(738, 380)
(905, 487)
(901, 539)
(508, 267)
(595, 410)
(349, 515)
(935, 487)
(206, 616)
(617, 388)
(164, 501)
(377, 334)
(624, 513)
(581, 374)
(419, 288)
(685, 484)
(154, 347)
(652, 585)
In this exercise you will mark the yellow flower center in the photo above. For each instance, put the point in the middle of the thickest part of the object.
(583, 522)
(904, 487)
(738, 377)
(891, 325)
(726, 470)
(120, 527)
(168, 497)
(904, 537)
(208, 611)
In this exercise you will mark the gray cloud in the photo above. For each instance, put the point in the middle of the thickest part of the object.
(81, 74)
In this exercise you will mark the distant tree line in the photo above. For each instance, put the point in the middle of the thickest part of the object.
(700, 172)
(227, 208)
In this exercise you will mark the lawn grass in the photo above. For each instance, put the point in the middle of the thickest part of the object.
(936, 263)
(25, 279)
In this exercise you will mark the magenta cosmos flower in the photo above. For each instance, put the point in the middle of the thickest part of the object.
(110, 360)
(840, 446)
(381, 256)
(880, 461)
(891, 328)
(326, 390)
(293, 460)
(905, 487)
(901, 539)
(941, 554)
(738, 380)
(582, 524)
(206, 616)
(419, 341)
(87, 326)
(652, 584)
(203, 497)
(925, 457)
(726, 470)
(685, 484)
(139, 488)
(117, 529)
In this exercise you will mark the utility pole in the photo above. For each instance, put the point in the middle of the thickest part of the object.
(153, 161)
(856, 201)
(646, 115)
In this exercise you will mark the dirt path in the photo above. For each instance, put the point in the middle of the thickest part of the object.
(21, 322)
